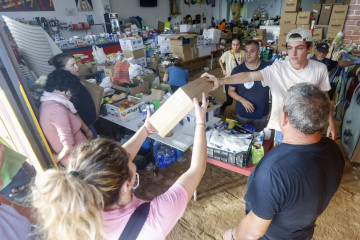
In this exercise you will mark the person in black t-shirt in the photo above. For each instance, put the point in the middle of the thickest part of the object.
(322, 49)
(293, 184)
(252, 99)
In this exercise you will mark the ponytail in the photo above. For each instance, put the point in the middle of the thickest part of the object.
(67, 207)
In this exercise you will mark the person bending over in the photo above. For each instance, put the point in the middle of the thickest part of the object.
(293, 184)
(93, 198)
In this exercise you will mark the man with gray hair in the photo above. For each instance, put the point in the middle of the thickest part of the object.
(293, 184)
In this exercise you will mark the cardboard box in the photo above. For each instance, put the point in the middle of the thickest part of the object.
(292, 5)
(178, 105)
(150, 77)
(140, 88)
(115, 108)
(163, 39)
(131, 43)
(288, 18)
(335, 26)
(316, 10)
(184, 28)
(109, 71)
(165, 49)
(318, 34)
(330, 1)
(282, 44)
(325, 14)
(285, 29)
(339, 11)
(304, 17)
(260, 34)
(135, 54)
(180, 48)
(213, 35)
(194, 52)
(157, 93)
(226, 35)
(180, 39)
(141, 61)
(161, 26)
(84, 69)
(96, 92)
(304, 26)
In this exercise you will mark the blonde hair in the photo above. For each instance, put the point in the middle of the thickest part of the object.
(69, 203)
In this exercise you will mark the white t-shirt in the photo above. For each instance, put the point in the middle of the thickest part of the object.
(229, 61)
(280, 76)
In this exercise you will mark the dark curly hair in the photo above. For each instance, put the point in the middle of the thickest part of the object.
(63, 80)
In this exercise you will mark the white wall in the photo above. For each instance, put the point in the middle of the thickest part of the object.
(60, 14)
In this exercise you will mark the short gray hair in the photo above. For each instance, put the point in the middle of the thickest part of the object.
(307, 107)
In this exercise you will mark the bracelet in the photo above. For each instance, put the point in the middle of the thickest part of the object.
(203, 124)
(147, 131)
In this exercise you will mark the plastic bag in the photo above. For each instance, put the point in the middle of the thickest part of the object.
(99, 54)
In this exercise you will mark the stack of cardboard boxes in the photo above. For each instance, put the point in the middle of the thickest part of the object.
(337, 20)
(180, 46)
(325, 13)
(288, 21)
(134, 47)
(303, 19)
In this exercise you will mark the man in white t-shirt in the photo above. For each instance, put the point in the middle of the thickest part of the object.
(280, 76)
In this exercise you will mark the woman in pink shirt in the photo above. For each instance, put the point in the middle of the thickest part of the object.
(57, 114)
(93, 198)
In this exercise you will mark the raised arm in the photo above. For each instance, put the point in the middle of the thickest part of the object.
(133, 145)
(191, 178)
(238, 78)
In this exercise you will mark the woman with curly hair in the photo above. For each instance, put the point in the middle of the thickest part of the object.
(57, 114)
(83, 103)
(92, 199)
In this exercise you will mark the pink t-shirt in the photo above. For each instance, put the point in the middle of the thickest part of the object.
(60, 126)
(165, 211)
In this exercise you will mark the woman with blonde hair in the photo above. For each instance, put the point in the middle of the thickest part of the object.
(93, 198)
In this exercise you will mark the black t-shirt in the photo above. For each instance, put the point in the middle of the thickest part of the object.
(292, 185)
(330, 64)
(85, 105)
(256, 93)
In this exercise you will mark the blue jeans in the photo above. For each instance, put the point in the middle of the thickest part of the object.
(24, 177)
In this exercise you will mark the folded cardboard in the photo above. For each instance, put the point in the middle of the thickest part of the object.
(131, 43)
(292, 5)
(134, 54)
(318, 34)
(316, 10)
(115, 108)
(285, 29)
(325, 14)
(304, 17)
(339, 11)
(288, 18)
(335, 26)
(178, 105)
(96, 92)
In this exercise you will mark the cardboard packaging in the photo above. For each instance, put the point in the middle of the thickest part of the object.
(194, 52)
(165, 49)
(304, 26)
(157, 93)
(178, 105)
(318, 34)
(226, 35)
(325, 14)
(115, 108)
(292, 5)
(213, 35)
(179, 39)
(199, 40)
(330, 1)
(161, 26)
(141, 61)
(288, 18)
(131, 43)
(335, 26)
(285, 29)
(316, 10)
(184, 28)
(147, 78)
(109, 71)
(96, 92)
(282, 44)
(304, 17)
(339, 11)
(134, 54)
(260, 34)
(163, 39)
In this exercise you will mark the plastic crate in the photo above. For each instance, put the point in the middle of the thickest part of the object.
(240, 159)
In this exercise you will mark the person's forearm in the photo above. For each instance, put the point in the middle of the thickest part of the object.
(236, 96)
(221, 65)
(345, 63)
(243, 77)
(133, 145)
